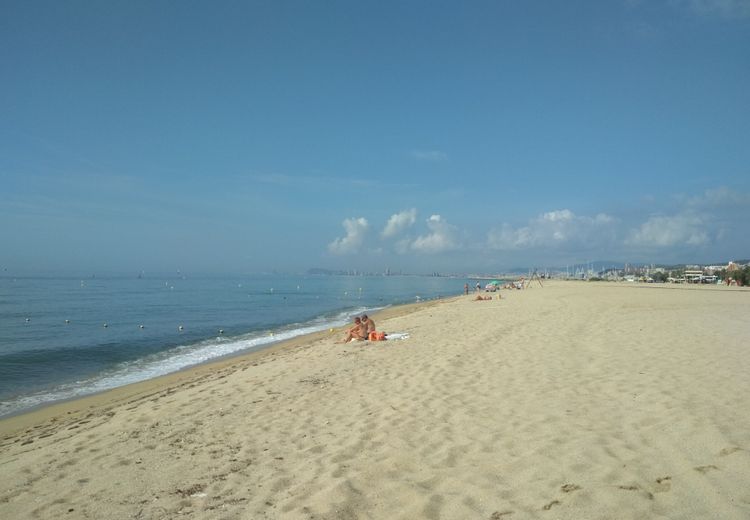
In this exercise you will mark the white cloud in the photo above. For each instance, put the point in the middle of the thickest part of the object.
(710, 217)
(660, 231)
(398, 222)
(442, 237)
(356, 228)
(429, 155)
(553, 229)
(721, 197)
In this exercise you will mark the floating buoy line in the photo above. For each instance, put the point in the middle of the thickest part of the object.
(221, 332)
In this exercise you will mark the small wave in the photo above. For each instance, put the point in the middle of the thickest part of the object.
(173, 360)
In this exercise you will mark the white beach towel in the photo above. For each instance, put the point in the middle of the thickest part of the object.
(397, 335)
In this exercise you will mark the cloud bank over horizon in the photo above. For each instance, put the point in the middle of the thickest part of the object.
(699, 227)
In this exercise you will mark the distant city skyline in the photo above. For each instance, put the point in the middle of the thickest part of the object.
(420, 137)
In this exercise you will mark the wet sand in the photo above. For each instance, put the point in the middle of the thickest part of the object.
(576, 400)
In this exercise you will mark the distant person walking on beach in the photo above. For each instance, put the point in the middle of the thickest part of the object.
(466, 288)
(479, 287)
(357, 332)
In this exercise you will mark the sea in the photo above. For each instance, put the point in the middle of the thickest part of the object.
(63, 337)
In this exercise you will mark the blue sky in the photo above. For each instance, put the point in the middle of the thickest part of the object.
(420, 136)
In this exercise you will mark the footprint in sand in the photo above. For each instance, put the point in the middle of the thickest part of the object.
(729, 451)
(190, 491)
(663, 484)
(565, 488)
(498, 515)
(705, 469)
(647, 494)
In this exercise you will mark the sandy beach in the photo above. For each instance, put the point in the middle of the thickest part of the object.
(574, 401)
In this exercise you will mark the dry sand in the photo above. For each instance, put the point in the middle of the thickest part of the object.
(576, 400)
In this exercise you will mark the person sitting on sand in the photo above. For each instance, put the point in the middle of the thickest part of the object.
(357, 332)
(368, 325)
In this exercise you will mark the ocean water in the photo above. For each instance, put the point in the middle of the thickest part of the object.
(64, 337)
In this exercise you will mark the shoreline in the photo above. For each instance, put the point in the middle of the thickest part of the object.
(568, 401)
(105, 399)
(76, 345)
(73, 406)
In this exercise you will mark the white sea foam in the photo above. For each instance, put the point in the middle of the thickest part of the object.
(172, 360)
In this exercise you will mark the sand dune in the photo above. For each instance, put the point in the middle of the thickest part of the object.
(576, 400)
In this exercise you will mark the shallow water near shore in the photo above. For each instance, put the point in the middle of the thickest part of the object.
(64, 337)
